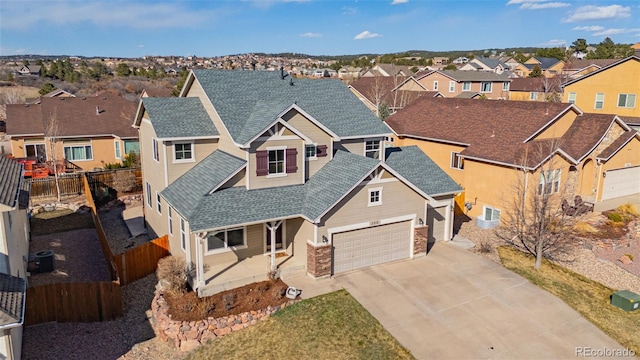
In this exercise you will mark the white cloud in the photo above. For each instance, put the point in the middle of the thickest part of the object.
(554, 43)
(311, 35)
(591, 12)
(396, 2)
(107, 14)
(516, 2)
(349, 11)
(366, 35)
(547, 5)
(609, 32)
(140, 46)
(589, 28)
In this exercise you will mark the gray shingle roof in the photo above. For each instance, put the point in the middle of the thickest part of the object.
(418, 168)
(185, 193)
(490, 62)
(247, 101)
(237, 205)
(12, 296)
(10, 176)
(179, 117)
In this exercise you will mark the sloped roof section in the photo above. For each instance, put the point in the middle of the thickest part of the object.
(12, 297)
(179, 117)
(585, 134)
(617, 144)
(187, 191)
(418, 168)
(235, 95)
(10, 176)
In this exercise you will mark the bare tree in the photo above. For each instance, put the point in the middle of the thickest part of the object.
(11, 95)
(534, 220)
(378, 91)
(52, 137)
(551, 88)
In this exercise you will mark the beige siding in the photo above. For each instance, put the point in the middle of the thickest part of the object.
(237, 180)
(356, 146)
(397, 200)
(258, 182)
(201, 149)
(14, 244)
(226, 143)
(316, 134)
(153, 172)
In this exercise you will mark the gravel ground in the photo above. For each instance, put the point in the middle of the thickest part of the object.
(78, 257)
(114, 226)
(599, 264)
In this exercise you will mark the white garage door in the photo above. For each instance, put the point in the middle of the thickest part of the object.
(370, 246)
(621, 182)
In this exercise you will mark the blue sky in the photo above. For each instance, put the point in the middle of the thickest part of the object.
(317, 27)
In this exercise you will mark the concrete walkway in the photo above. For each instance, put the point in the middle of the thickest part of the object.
(453, 304)
(615, 202)
(135, 221)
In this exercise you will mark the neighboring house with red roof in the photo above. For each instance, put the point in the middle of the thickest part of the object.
(395, 92)
(93, 131)
(536, 89)
(484, 145)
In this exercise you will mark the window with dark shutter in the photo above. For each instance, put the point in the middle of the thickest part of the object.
(262, 163)
(292, 161)
(321, 150)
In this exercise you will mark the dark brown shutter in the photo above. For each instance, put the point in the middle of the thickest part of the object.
(321, 150)
(292, 165)
(262, 163)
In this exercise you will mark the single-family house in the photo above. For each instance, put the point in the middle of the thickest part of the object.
(536, 89)
(84, 132)
(550, 67)
(576, 68)
(485, 64)
(349, 72)
(452, 83)
(389, 70)
(253, 171)
(612, 89)
(14, 253)
(395, 92)
(28, 70)
(484, 145)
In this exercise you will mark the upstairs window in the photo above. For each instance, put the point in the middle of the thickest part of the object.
(485, 87)
(154, 144)
(466, 86)
(599, 101)
(533, 96)
(571, 98)
(627, 100)
(277, 161)
(505, 86)
(310, 152)
(435, 85)
(375, 197)
(456, 161)
(372, 149)
(452, 86)
(183, 152)
(158, 203)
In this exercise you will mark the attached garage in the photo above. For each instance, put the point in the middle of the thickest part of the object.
(369, 246)
(621, 182)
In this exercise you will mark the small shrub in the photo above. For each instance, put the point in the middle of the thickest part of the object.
(124, 181)
(584, 227)
(629, 256)
(172, 274)
(615, 217)
(229, 300)
(628, 209)
(187, 306)
(112, 166)
(484, 247)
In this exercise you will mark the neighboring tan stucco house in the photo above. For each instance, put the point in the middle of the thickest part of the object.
(550, 67)
(248, 171)
(453, 83)
(613, 89)
(14, 253)
(484, 145)
(536, 89)
(91, 131)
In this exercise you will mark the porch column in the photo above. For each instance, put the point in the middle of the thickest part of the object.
(200, 239)
(272, 228)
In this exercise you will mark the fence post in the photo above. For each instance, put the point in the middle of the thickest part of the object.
(123, 276)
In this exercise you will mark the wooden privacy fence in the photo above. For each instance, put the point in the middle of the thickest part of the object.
(142, 260)
(46, 187)
(73, 302)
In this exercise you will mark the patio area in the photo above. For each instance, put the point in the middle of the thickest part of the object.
(226, 276)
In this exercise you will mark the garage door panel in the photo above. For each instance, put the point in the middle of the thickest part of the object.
(621, 182)
(371, 246)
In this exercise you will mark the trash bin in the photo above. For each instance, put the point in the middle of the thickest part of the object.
(44, 261)
(625, 300)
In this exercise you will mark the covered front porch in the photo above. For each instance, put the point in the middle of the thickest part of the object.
(274, 246)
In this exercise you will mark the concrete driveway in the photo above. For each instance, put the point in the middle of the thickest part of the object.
(453, 304)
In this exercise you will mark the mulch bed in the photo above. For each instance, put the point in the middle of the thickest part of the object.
(252, 297)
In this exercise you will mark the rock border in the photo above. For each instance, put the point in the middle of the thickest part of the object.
(188, 335)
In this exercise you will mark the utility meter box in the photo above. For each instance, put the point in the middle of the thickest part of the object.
(626, 300)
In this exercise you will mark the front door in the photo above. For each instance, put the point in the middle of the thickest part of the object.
(279, 239)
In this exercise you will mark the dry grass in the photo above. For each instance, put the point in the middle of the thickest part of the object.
(23, 92)
(332, 326)
(584, 228)
(50, 222)
(589, 298)
(628, 209)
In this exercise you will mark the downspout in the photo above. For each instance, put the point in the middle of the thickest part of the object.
(598, 183)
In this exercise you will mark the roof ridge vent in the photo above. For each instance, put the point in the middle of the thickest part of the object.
(493, 133)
